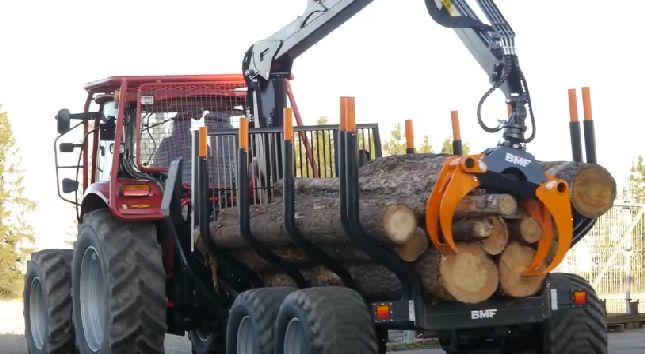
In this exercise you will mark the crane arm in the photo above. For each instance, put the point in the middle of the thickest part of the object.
(268, 62)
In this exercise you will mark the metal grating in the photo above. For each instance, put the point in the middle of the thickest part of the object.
(165, 112)
(314, 157)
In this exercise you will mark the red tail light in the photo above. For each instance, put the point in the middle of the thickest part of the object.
(580, 298)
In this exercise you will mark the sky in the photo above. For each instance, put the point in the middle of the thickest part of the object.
(392, 57)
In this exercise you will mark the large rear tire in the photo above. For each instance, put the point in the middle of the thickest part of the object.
(48, 304)
(118, 287)
(251, 320)
(324, 320)
(580, 330)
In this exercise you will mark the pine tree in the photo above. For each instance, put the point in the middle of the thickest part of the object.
(16, 234)
(425, 148)
(396, 144)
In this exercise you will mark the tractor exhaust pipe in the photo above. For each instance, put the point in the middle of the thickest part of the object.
(574, 126)
(589, 133)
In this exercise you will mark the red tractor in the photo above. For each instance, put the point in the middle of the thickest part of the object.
(127, 282)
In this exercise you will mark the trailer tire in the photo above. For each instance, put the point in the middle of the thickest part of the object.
(118, 286)
(252, 316)
(47, 303)
(325, 320)
(577, 330)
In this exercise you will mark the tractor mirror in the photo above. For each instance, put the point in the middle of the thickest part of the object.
(69, 185)
(63, 118)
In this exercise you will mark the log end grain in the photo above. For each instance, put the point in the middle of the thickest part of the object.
(414, 248)
(495, 243)
(512, 263)
(469, 276)
(593, 191)
(400, 223)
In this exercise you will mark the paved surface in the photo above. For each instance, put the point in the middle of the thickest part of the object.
(629, 342)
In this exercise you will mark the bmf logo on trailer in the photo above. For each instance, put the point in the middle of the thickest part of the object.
(517, 160)
(481, 314)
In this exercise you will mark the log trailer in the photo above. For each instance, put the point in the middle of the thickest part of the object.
(165, 162)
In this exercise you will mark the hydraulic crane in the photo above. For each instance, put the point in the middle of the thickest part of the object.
(268, 63)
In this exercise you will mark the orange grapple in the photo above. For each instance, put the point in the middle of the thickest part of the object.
(503, 170)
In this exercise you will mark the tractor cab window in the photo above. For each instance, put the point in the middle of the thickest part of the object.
(167, 114)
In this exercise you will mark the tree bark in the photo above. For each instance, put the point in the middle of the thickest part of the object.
(318, 220)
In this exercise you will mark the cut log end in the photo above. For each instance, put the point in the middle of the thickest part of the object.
(414, 248)
(400, 223)
(498, 239)
(512, 263)
(593, 191)
(527, 230)
(469, 276)
(472, 229)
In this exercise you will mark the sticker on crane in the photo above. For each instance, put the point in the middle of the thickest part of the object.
(147, 100)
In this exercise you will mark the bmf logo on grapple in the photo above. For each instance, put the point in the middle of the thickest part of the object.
(517, 160)
(481, 314)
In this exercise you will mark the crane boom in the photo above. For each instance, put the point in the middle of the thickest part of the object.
(269, 61)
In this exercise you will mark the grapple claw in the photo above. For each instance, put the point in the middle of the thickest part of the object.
(554, 195)
(540, 214)
(455, 181)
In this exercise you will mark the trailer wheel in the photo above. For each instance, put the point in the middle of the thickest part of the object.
(324, 320)
(578, 330)
(118, 287)
(47, 303)
(251, 319)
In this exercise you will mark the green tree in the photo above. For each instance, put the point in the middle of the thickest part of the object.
(637, 180)
(396, 144)
(425, 148)
(16, 234)
(446, 147)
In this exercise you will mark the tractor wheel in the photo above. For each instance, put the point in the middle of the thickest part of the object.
(118, 287)
(577, 330)
(47, 304)
(251, 319)
(324, 320)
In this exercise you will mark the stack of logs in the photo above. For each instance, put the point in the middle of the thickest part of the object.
(496, 237)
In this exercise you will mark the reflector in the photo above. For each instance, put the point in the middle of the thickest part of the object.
(580, 298)
(383, 313)
(135, 190)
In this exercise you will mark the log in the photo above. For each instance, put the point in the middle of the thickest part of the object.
(382, 216)
(472, 229)
(593, 189)
(375, 282)
(497, 241)
(469, 276)
(412, 250)
(318, 220)
(512, 263)
(526, 230)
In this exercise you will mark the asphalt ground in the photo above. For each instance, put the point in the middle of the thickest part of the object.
(628, 342)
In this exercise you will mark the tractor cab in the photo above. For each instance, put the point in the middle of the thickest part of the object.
(132, 127)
